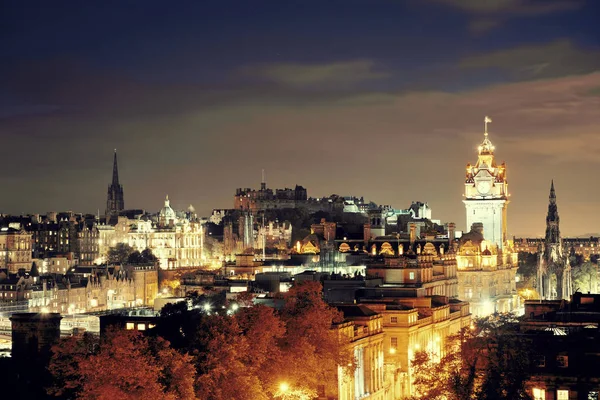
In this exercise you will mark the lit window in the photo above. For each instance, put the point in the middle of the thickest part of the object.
(562, 395)
(592, 396)
(141, 327)
(411, 275)
(130, 326)
(540, 361)
(394, 320)
(562, 361)
(539, 394)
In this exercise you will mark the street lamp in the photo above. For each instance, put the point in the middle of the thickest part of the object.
(284, 387)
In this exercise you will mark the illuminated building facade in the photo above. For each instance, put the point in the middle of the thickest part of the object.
(587, 247)
(364, 329)
(88, 238)
(99, 291)
(412, 324)
(175, 239)
(486, 275)
(145, 280)
(263, 199)
(15, 249)
(426, 272)
(486, 193)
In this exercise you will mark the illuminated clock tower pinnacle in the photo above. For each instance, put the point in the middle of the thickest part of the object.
(486, 192)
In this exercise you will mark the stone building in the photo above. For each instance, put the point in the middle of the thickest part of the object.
(89, 249)
(411, 324)
(175, 240)
(564, 339)
(486, 275)
(364, 329)
(145, 279)
(98, 290)
(15, 249)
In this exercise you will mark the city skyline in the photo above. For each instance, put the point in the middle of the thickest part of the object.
(392, 114)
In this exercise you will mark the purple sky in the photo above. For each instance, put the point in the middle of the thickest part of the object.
(382, 99)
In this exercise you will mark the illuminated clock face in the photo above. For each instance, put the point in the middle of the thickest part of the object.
(484, 187)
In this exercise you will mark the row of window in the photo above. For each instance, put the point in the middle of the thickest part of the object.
(561, 394)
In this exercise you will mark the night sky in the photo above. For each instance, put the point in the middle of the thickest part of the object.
(382, 99)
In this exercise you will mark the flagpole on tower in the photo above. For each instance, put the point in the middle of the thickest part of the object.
(486, 121)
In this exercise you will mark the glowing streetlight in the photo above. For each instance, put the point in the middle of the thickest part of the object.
(284, 387)
(393, 350)
(206, 307)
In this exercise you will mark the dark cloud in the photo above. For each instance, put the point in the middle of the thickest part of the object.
(513, 7)
(536, 61)
(490, 14)
(317, 75)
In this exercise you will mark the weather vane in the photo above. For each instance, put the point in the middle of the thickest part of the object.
(486, 121)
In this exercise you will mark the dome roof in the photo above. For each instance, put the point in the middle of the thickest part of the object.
(166, 213)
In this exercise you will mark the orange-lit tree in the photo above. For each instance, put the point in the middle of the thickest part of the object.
(124, 365)
(311, 348)
(488, 361)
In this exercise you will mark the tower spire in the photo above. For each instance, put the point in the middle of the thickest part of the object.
(114, 198)
(263, 182)
(552, 219)
(115, 179)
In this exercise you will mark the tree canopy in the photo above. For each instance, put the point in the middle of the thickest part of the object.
(122, 365)
(488, 361)
(211, 348)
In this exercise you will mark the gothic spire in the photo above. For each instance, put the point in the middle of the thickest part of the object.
(115, 180)
(114, 199)
(552, 219)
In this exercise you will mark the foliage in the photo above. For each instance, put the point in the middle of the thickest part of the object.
(585, 277)
(575, 260)
(143, 258)
(119, 254)
(124, 365)
(237, 351)
(312, 348)
(489, 361)
(65, 364)
(528, 263)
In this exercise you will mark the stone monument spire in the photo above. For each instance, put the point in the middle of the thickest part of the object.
(552, 261)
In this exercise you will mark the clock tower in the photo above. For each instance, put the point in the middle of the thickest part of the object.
(486, 193)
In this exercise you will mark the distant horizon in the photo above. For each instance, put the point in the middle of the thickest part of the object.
(206, 215)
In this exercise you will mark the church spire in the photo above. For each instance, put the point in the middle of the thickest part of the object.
(552, 196)
(115, 179)
(114, 199)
